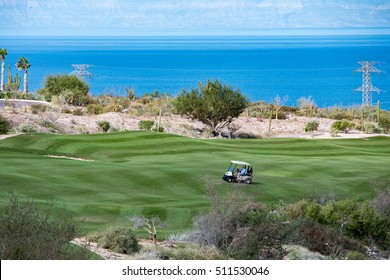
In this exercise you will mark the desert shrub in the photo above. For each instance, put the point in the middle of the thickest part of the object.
(384, 123)
(146, 124)
(66, 111)
(302, 208)
(190, 251)
(38, 108)
(120, 240)
(358, 220)
(246, 136)
(5, 125)
(369, 128)
(350, 217)
(77, 112)
(74, 90)
(160, 129)
(113, 107)
(29, 232)
(261, 241)
(355, 255)
(104, 125)
(342, 125)
(50, 125)
(321, 238)
(381, 202)
(28, 128)
(95, 109)
(311, 126)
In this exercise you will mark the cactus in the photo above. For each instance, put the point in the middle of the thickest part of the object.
(13, 84)
(378, 112)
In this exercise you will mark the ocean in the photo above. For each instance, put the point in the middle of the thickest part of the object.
(261, 67)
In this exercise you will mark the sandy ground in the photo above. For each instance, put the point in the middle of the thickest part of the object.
(54, 121)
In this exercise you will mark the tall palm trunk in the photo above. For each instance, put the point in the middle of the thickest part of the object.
(25, 88)
(2, 74)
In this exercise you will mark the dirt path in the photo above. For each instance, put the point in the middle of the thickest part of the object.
(95, 248)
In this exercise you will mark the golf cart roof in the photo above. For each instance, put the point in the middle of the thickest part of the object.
(239, 162)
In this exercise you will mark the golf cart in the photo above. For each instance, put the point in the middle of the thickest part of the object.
(239, 171)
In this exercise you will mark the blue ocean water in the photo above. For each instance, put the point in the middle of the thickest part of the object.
(261, 67)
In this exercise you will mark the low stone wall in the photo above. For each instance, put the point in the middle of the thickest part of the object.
(20, 103)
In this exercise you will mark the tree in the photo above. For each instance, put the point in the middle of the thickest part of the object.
(278, 104)
(149, 225)
(74, 90)
(23, 64)
(214, 104)
(307, 104)
(3, 54)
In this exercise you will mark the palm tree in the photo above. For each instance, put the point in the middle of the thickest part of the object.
(23, 64)
(3, 54)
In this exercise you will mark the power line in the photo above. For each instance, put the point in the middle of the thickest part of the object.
(81, 71)
(367, 67)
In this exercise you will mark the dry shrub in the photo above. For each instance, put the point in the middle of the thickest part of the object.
(29, 232)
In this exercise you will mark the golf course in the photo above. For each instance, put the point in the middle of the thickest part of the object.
(104, 178)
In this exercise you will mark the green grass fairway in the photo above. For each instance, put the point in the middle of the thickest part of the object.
(145, 173)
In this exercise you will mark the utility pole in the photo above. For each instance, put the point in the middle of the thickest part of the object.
(367, 67)
(81, 71)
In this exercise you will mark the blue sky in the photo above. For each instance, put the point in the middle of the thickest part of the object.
(190, 17)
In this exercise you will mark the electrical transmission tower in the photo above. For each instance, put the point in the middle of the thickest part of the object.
(367, 67)
(81, 70)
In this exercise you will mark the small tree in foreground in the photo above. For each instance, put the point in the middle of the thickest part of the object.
(278, 103)
(150, 225)
(213, 104)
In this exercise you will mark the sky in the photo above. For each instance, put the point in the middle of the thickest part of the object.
(190, 17)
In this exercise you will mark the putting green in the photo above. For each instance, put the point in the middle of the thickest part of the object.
(136, 173)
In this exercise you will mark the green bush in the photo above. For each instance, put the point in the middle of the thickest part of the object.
(343, 125)
(120, 240)
(369, 128)
(358, 220)
(384, 123)
(5, 125)
(355, 255)
(104, 125)
(320, 238)
(71, 87)
(146, 124)
(29, 232)
(28, 128)
(160, 129)
(312, 126)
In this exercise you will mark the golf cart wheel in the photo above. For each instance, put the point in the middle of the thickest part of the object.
(229, 180)
(248, 181)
